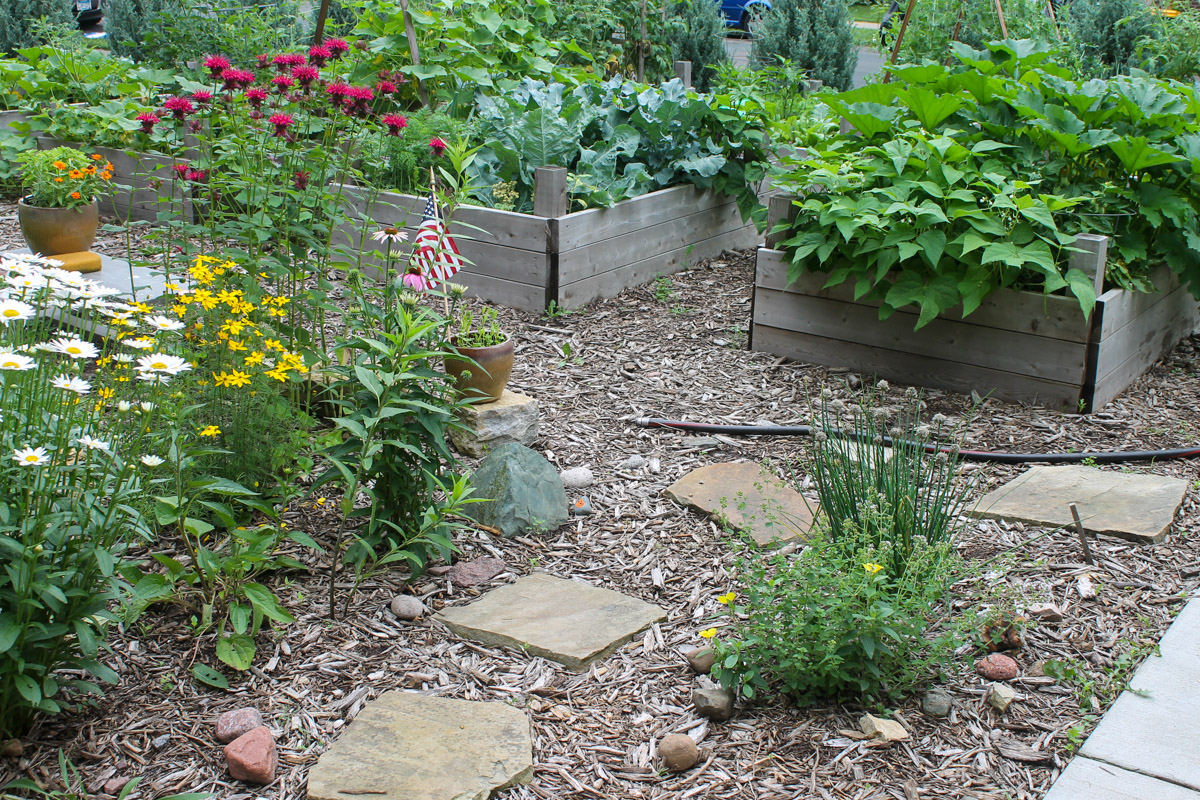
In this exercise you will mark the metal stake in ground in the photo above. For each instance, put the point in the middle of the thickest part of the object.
(1087, 551)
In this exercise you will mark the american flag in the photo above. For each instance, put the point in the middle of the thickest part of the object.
(435, 252)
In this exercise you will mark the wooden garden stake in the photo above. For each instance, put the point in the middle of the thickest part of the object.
(1087, 551)
(1000, 14)
(322, 13)
(899, 38)
(642, 47)
(413, 52)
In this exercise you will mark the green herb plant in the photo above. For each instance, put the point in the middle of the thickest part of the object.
(63, 177)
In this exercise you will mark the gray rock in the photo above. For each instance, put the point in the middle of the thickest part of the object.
(524, 492)
(1047, 612)
(633, 462)
(407, 607)
(512, 418)
(701, 442)
(700, 659)
(159, 742)
(582, 507)
(714, 703)
(577, 478)
(678, 752)
(937, 703)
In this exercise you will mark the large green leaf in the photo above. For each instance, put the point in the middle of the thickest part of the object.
(237, 650)
(1137, 154)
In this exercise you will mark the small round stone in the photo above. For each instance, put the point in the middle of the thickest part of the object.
(678, 752)
(937, 703)
(12, 749)
(577, 478)
(997, 667)
(407, 607)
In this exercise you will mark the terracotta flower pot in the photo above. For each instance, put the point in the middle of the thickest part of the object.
(53, 231)
(488, 379)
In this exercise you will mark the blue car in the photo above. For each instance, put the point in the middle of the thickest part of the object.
(744, 14)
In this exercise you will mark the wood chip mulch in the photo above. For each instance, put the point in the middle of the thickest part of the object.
(674, 349)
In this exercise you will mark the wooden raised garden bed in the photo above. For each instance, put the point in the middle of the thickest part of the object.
(527, 261)
(1018, 346)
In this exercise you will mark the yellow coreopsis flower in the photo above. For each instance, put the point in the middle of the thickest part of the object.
(726, 599)
(279, 373)
(708, 634)
(275, 344)
(254, 359)
(236, 346)
(873, 568)
(211, 430)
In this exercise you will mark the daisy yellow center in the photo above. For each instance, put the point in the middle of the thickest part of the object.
(74, 350)
(31, 458)
(11, 312)
(159, 365)
(11, 364)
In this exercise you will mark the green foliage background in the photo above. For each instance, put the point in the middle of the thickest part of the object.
(814, 36)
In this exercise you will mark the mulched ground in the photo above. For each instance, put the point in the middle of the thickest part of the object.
(672, 349)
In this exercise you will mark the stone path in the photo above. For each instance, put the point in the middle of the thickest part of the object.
(1133, 506)
(1143, 747)
(570, 622)
(408, 746)
(748, 498)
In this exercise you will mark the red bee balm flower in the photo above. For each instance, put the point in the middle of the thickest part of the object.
(196, 175)
(281, 122)
(337, 47)
(358, 99)
(181, 169)
(338, 93)
(437, 145)
(287, 61)
(318, 55)
(178, 106)
(263, 60)
(148, 121)
(305, 75)
(282, 83)
(385, 87)
(203, 97)
(236, 79)
(216, 65)
(395, 123)
(256, 96)
(301, 181)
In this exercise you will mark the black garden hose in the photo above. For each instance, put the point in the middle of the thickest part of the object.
(967, 455)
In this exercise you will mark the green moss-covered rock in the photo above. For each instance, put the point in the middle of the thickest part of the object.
(524, 491)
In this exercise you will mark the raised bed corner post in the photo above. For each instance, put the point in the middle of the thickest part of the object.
(1090, 257)
(683, 71)
(550, 201)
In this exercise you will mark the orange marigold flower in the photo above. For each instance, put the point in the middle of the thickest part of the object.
(75, 195)
(60, 165)
(97, 157)
(106, 175)
(108, 167)
(90, 170)
(74, 174)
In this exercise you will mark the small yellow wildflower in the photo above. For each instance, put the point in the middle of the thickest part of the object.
(726, 599)
(872, 568)
(708, 634)
(211, 430)
(254, 359)
(279, 373)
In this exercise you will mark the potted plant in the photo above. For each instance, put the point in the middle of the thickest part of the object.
(60, 214)
(486, 354)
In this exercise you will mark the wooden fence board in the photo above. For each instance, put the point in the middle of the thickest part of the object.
(1120, 306)
(1055, 317)
(906, 368)
(613, 282)
(943, 340)
(596, 224)
(638, 243)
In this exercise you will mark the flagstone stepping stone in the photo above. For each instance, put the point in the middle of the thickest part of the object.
(1136, 507)
(408, 746)
(565, 621)
(748, 498)
(512, 418)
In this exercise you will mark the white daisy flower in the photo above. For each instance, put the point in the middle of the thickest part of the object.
(71, 384)
(155, 378)
(15, 361)
(161, 323)
(92, 443)
(123, 406)
(75, 348)
(140, 343)
(14, 311)
(31, 456)
(122, 358)
(161, 362)
(152, 461)
(390, 234)
(27, 281)
(146, 406)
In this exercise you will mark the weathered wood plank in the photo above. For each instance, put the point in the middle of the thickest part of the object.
(507, 228)
(638, 242)
(611, 283)
(1121, 306)
(486, 258)
(1025, 312)
(1123, 356)
(596, 224)
(902, 367)
(947, 340)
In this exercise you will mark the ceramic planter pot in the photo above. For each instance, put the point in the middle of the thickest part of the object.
(488, 376)
(53, 231)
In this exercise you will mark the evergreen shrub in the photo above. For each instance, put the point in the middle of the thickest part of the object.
(697, 34)
(17, 19)
(814, 36)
